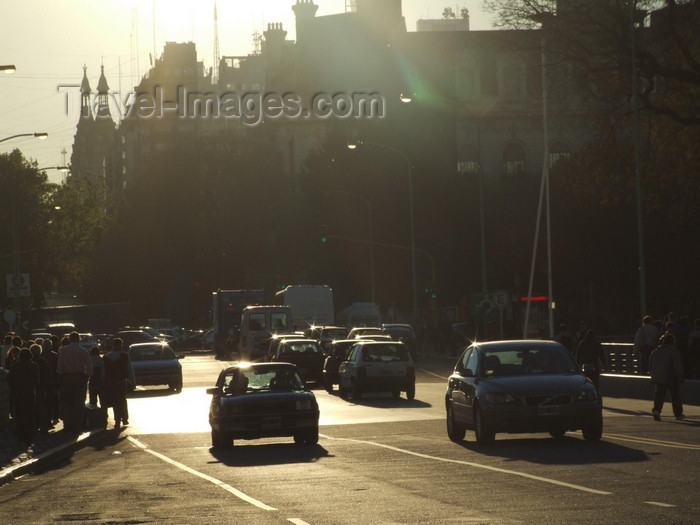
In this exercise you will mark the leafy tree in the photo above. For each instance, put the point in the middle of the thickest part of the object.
(26, 213)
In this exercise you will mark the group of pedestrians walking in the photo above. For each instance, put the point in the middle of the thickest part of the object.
(669, 351)
(49, 380)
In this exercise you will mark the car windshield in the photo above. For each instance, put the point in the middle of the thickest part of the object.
(526, 361)
(151, 352)
(335, 333)
(262, 379)
(384, 353)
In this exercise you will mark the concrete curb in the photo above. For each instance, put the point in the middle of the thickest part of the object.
(12, 472)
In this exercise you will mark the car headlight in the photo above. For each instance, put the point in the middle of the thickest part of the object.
(498, 397)
(587, 394)
(304, 404)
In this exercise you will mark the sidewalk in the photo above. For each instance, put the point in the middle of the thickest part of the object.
(16, 458)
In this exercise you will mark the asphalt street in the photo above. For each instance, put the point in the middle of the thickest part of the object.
(379, 460)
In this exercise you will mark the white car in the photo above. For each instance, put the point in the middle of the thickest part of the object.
(377, 366)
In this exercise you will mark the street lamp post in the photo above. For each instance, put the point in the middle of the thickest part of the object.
(15, 237)
(371, 235)
(354, 145)
(40, 136)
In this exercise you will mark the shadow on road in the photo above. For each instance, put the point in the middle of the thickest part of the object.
(569, 450)
(252, 455)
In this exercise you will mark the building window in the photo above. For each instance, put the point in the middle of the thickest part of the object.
(557, 152)
(469, 165)
(513, 159)
(489, 78)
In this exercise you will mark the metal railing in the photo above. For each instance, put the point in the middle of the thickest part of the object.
(621, 358)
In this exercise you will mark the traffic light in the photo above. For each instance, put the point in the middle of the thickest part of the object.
(431, 292)
(324, 233)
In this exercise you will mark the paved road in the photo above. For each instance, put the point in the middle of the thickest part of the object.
(377, 461)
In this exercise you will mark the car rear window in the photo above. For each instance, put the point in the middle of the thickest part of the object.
(306, 348)
(384, 353)
(527, 360)
(149, 353)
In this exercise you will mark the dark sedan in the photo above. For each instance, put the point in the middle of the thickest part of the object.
(257, 400)
(305, 353)
(520, 387)
(339, 350)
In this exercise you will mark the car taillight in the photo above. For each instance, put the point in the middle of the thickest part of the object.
(361, 371)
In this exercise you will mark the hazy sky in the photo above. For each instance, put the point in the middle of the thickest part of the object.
(49, 41)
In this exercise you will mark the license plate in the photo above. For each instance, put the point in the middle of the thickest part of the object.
(547, 411)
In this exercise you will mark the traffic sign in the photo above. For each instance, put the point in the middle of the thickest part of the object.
(18, 285)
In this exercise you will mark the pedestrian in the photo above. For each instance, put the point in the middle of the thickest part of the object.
(96, 379)
(118, 372)
(566, 338)
(6, 345)
(74, 368)
(42, 419)
(666, 368)
(694, 351)
(52, 385)
(23, 379)
(55, 411)
(645, 340)
(591, 357)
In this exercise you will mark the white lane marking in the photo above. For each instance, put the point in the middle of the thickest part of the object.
(215, 481)
(649, 441)
(433, 374)
(475, 465)
(659, 504)
(297, 521)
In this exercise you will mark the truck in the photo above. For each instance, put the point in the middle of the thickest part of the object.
(227, 307)
(312, 305)
(364, 314)
(258, 325)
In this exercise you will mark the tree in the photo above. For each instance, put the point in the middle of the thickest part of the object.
(26, 215)
(595, 38)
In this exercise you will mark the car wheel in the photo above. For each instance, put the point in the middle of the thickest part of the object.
(411, 392)
(355, 390)
(175, 387)
(594, 431)
(455, 431)
(557, 433)
(216, 440)
(307, 438)
(484, 435)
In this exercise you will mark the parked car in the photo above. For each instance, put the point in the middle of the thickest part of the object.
(377, 366)
(306, 354)
(155, 363)
(337, 354)
(520, 386)
(257, 400)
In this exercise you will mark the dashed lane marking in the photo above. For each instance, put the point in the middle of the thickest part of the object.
(649, 441)
(659, 504)
(475, 465)
(210, 479)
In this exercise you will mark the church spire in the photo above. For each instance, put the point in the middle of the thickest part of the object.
(85, 95)
(103, 96)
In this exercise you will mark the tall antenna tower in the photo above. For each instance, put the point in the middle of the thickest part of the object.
(215, 70)
(257, 43)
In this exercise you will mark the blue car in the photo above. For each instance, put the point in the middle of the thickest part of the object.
(520, 387)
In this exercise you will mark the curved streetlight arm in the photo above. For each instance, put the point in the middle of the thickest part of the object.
(40, 136)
